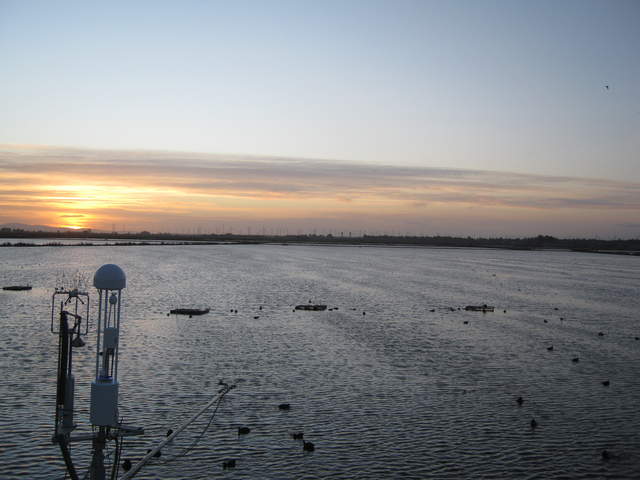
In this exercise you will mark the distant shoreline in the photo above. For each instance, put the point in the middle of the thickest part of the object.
(540, 243)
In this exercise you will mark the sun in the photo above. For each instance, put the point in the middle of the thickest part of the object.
(74, 221)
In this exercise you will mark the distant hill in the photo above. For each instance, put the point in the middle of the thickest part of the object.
(33, 228)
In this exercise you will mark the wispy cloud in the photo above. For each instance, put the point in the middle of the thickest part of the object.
(100, 187)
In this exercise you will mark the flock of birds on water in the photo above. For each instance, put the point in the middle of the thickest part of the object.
(534, 424)
(605, 454)
(310, 447)
(242, 430)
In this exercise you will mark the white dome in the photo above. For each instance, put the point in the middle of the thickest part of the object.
(109, 277)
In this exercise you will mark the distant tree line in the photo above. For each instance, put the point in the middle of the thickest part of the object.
(526, 243)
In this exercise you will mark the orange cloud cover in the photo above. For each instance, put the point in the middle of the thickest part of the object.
(170, 191)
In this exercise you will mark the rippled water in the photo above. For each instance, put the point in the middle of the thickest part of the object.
(407, 390)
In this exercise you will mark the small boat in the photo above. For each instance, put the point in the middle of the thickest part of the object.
(311, 307)
(189, 311)
(479, 308)
(17, 287)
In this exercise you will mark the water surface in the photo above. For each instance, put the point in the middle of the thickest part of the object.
(392, 384)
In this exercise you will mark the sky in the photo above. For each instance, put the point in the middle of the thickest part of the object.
(461, 117)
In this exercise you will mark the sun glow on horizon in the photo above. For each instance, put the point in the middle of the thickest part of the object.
(221, 193)
(72, 227)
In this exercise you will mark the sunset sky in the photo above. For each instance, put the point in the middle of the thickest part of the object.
(461, 117)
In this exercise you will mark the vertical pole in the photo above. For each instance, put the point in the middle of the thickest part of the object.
(117, 325)
(97, 471)
(63, 352)
(98, 334)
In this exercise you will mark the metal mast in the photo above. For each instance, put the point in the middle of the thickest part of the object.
(109, 280)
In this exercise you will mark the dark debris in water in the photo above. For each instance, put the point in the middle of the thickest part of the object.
(227, 464)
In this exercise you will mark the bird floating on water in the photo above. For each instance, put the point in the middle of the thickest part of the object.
(550, 348)
(297, 435)
(243, 430)
(157, 454)
(519, 401)
(284, 406)
(308, 446)
(533, 424)
(606, 383)
(575, 359)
